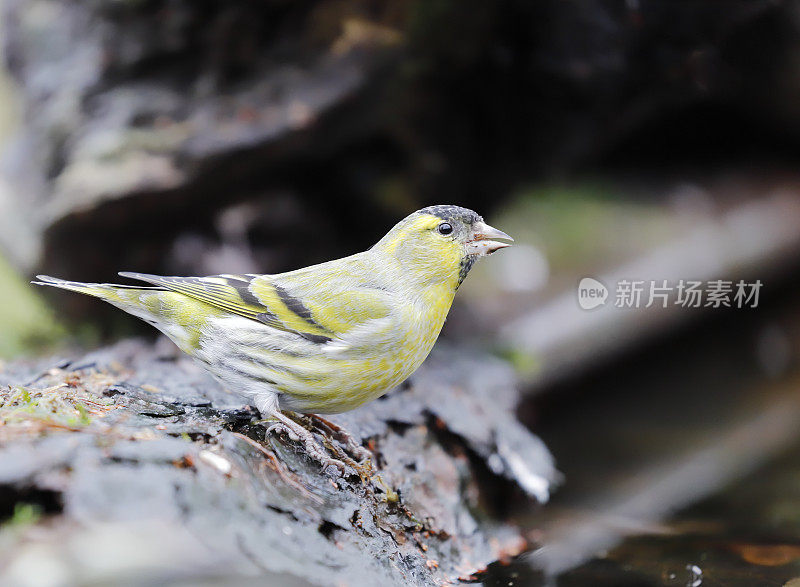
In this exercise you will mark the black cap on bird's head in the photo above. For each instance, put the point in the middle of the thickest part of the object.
(451, 212)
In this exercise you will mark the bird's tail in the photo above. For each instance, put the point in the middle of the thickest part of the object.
(141, 301)
(107, 291)
(174, 314)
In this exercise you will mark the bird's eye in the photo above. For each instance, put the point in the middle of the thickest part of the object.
(445, 228)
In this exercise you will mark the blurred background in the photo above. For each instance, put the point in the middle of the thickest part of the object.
(614, 139)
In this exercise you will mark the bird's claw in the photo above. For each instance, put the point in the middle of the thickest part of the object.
(312, 447)
(316, 452)
(280, 427)
(350, 444)
(360, 453)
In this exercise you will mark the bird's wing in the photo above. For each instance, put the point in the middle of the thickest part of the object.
(312, 307)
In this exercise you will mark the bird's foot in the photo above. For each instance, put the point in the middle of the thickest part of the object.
(351, 445)
(348, 449)
(298, 433)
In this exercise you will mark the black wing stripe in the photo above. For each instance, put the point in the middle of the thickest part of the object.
(298, 307)
(242, 287)
(316, 338)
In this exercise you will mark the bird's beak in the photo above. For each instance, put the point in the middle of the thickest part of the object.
(481, 243)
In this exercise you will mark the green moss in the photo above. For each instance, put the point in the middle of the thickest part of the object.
(25, 514)
(83, 415)
(27, 324)
(60, 405)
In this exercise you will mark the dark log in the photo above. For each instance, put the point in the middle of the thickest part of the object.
(132, 441)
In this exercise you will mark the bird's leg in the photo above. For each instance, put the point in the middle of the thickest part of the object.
(296, 432)
(267, 404)
(351, 445)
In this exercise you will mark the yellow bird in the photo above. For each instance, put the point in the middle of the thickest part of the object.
(323, 339)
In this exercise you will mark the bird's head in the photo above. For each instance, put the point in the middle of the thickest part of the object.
(441, 243)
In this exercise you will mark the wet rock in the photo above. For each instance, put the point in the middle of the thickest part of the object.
(157, 451)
